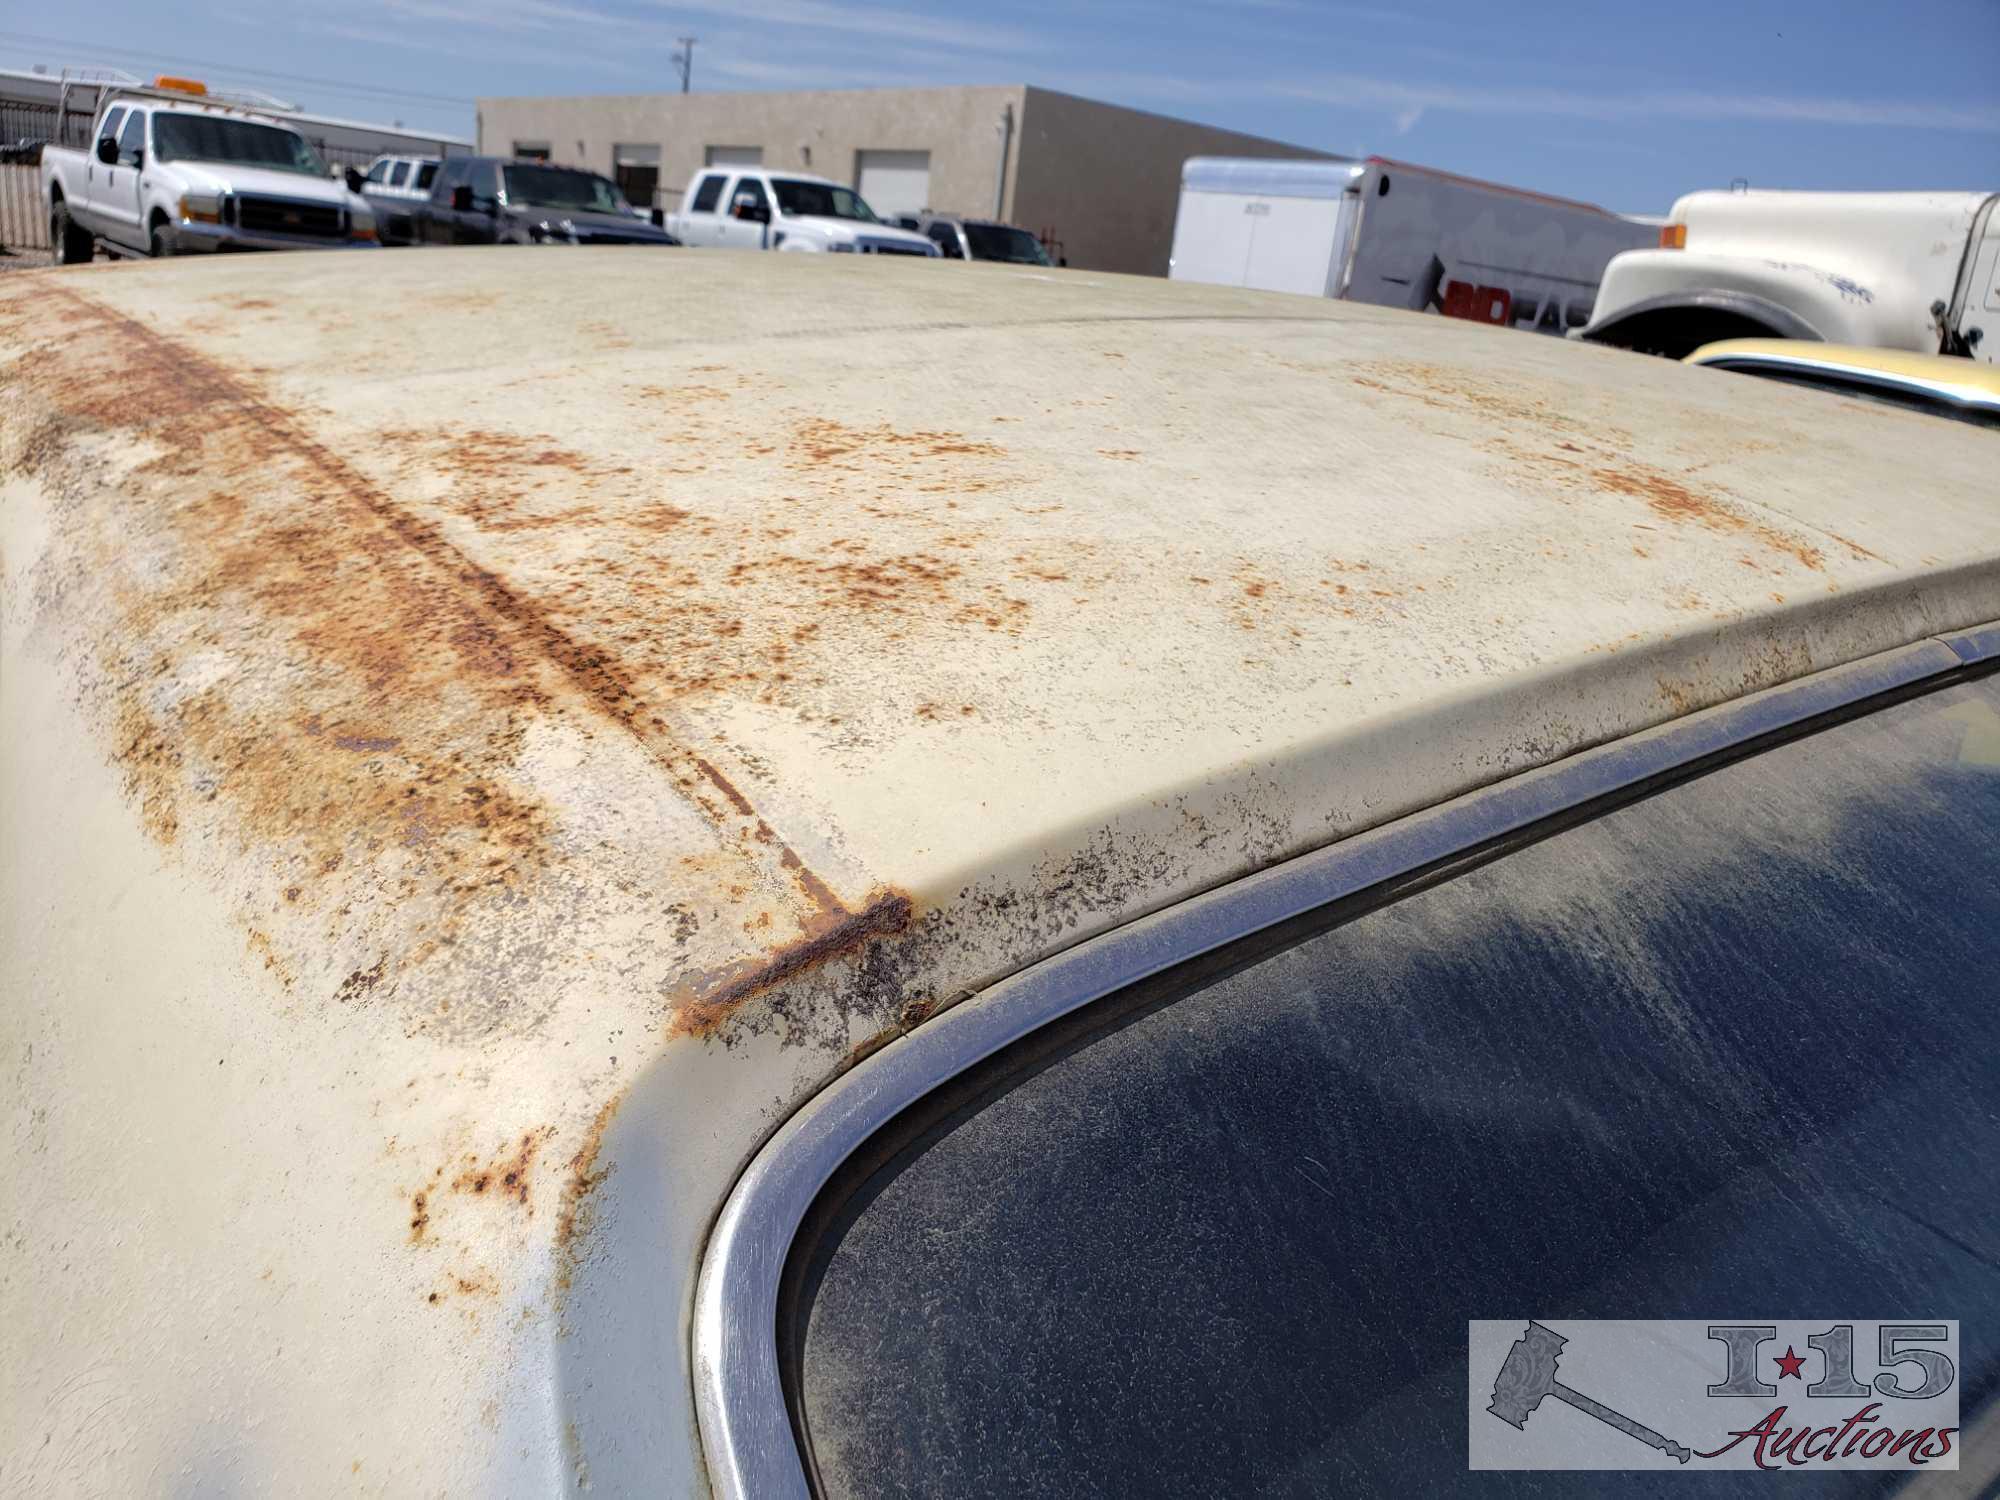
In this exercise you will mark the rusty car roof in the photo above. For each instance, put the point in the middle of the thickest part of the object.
(467, 788)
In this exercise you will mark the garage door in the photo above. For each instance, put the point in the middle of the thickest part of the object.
(895, 182)
(734, 156)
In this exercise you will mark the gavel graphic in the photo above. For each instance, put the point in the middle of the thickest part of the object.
(1529, 1374)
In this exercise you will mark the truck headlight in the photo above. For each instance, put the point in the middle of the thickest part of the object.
(201, 208)
(361, 225)
(553, 232)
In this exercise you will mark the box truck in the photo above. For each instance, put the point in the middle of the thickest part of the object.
(1397, 235)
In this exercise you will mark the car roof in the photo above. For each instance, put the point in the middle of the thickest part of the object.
(1967, 381)
(479, 784)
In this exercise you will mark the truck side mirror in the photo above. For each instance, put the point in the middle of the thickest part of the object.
(461, 198)
(107, 151)
(747, 208)
(354, 179)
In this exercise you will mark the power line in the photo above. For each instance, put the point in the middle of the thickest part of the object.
(145, 55)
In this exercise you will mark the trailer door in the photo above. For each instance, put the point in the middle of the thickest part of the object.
(1291, 243)
(1213, 233)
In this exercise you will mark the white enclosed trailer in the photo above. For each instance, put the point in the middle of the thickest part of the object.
(1396, 235)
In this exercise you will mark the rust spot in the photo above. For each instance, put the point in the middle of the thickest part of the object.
(360, 982)
(701, 1008)
(420, 1217)
(1673, 500)
(1859, 552)
(573, 1218)
(508, 1172)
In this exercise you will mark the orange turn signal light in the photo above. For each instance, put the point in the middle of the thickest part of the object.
(180, 85)
(1673, 236)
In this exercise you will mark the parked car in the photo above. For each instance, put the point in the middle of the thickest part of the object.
(748, 208)
(496, 200)
(1912, 271)
(598, 891)
(394, 186)
(960, 238)
(1946, 385)
(171, 172)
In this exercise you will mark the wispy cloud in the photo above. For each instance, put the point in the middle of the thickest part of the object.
(872, 21)
(1409, 100)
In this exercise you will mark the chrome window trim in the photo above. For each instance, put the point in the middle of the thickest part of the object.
(746, 1433)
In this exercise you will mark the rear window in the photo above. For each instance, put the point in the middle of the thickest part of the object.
(707, 193)
(1732, 1046)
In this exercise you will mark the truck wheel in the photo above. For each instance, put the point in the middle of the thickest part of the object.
(73, 246)
(161, 245)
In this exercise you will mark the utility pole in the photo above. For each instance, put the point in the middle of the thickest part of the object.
(684, 60)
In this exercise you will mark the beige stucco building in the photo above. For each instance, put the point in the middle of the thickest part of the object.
(1099, 180)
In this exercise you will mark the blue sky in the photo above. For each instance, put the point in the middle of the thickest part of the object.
(1626, 104)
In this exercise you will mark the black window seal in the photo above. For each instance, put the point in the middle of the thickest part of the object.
(745, 1421)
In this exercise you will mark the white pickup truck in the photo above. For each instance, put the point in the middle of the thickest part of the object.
(748, 208)
(170, 171)
(1914, 271)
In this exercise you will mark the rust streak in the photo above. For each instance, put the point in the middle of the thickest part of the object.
(702, 1012)
(593, 672)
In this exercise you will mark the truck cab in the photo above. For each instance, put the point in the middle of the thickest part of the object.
(748, 208)
(960, 238)
(1912, 271)
(493, 200)
(394, 186)
(169, 171)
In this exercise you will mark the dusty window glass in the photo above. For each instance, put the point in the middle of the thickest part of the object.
(1732, 1046)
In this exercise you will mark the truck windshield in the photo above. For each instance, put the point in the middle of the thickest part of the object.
(821, 200)
(236, 143)
(997, 242)
(530, 186)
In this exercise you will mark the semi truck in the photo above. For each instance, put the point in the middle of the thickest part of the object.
(1397, 235)
(1912, 271)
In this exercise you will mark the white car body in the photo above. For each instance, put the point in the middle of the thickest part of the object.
(1396, 235)
(709, 223)
(139, 203)
(453, 818)
(1914, 271)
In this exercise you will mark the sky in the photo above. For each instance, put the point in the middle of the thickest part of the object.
(1628, 103)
